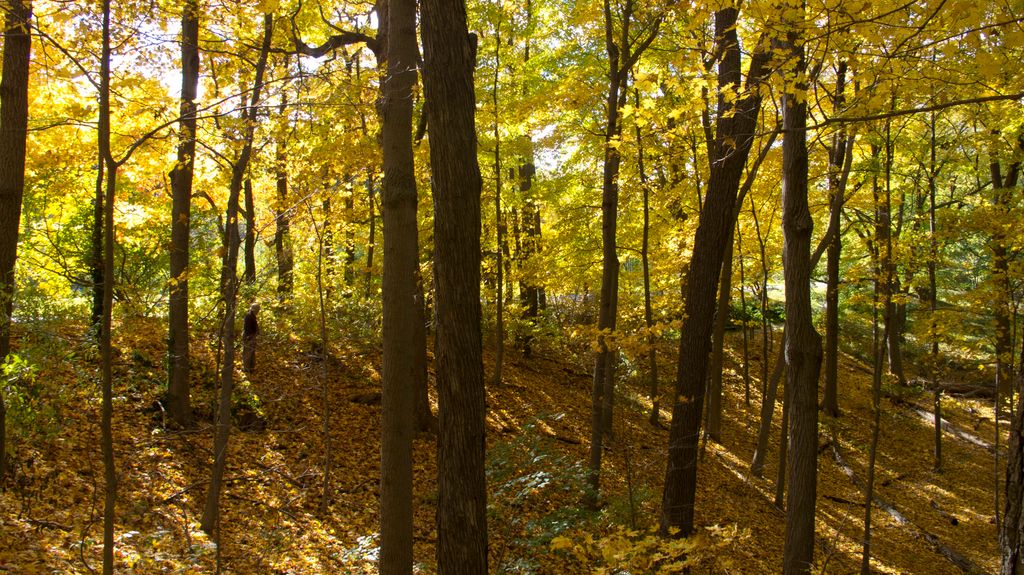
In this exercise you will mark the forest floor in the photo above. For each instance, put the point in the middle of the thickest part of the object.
(538, 432)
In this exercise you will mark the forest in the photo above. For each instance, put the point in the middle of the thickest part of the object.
(512, 286)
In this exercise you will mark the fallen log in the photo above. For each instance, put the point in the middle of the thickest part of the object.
(953, 556)
(952, 430)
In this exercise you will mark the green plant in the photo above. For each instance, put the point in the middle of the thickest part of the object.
(534, 498)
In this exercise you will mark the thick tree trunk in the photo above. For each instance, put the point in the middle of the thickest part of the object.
(1011, 530)
(178, 359)
(403, 301)
(736, 123)
(449, 54)
(13, 135)
(210, 520)
(1001, 276)
(803, 344)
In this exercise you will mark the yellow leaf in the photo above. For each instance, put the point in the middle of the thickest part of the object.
(559, 543)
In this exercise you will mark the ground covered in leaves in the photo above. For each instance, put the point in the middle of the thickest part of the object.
(283, 514)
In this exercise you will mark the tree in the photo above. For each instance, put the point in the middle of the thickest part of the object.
(179, 404)
(734, 134)
(13, 134)
(803, 344)
(840, 157)
(401, 291)
(449, 55)
(229, 287)
(623, 54)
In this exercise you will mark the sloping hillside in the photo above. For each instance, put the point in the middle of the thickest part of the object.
(538, 435)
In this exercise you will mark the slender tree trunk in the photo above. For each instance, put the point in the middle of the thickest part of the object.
(371, 240)
(607, 308)
(107, 409)
(249, 275)
(229, 291)
(13, 135)
(746, 324)
(178, 363)
(838, 169)
(933, 296)
(96, 250)
(499, 228)
(623, 53)
(349, 273)
(645, 249)
(780, 471)
(403, 302)
(737, 120)
(714, 424)
(767, 410)
(282, 214)
(891, 343)
(449, 54)
(883, 282)
(803, 344)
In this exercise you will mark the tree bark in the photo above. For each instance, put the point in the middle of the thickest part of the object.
(229, 291)
(652, 352)
(402, 297)
(13, 135)
(499, 228)
(1001, 187)
(178, 363)
(1011, 541)
(249, 275)
(449, 54)
(714, 424)
(838, 168)
(282, 214)
(107, 406)
(803, 344)
(734, 136)
(623, 54)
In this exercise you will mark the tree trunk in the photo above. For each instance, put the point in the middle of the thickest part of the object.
(891, 342)
(714, 424)
(1001, 275)
(933, 295)
(13, 135)
(838, 169)
(107, 409)
(400, 285)
(449, 54)
(623, 53)
(499, 228)
(652, 352)
(883, 285)
(734, 136)
(229, 291)
(178, 364)
(1011, 544)
(371, 240)
(803, 344)
(249, 275)
(282, 214)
